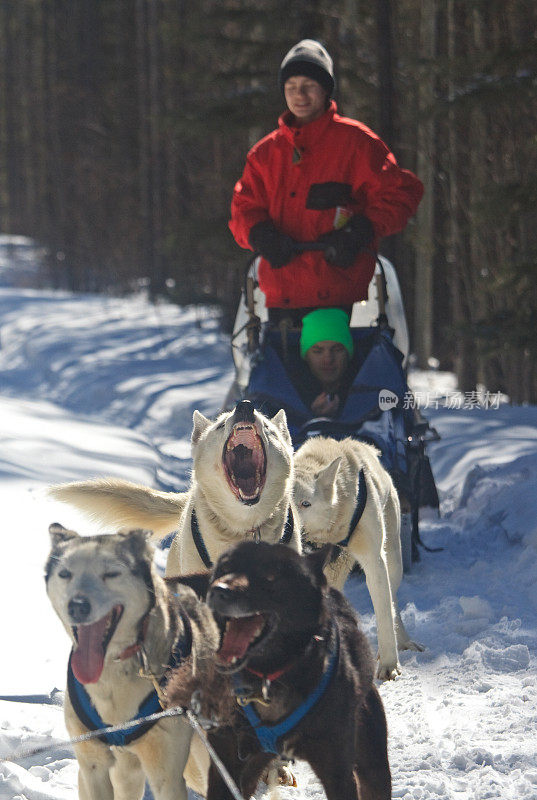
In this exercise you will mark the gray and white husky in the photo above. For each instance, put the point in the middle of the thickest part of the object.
(332, 478)
(120, 614)
(241, 487)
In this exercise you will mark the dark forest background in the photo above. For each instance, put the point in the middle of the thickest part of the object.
(124, 125)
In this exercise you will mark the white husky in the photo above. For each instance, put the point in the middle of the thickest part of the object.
(344, 496)
(242, 483)
(120, 615)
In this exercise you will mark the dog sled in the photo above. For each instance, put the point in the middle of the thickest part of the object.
(379, 407)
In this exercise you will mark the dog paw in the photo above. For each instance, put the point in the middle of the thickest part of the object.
(410, 645)
(279, 774)
(388, 672)
(286, 777)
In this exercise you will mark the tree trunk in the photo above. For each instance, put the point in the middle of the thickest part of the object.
(144, 139)
(157, 276)
(457, 254)
(423, 291)
(55, 206)
(386, 94)
(11, 154)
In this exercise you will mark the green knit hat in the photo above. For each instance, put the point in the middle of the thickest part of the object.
(325, 325)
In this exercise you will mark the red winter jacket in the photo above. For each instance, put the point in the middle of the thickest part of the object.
(298, 177)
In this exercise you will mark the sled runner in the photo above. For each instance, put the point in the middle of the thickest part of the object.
(378, 408)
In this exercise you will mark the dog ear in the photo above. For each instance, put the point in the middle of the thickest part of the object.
(197, 581)
(137, 541)
(59, 534)
(280, 420)
(327, 477)
(200, 424)
(318, 560)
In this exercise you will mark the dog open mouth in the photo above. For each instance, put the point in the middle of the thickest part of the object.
(240, 635)
(92, 640)
(245, 462)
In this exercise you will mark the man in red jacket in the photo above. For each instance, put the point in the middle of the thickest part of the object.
(318, 177)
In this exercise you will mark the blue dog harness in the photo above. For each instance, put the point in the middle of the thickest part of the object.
(90, 717)
(202, 549)
(361, 500)
(268, 735)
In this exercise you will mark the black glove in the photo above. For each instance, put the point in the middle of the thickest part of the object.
(343, 246)
(277, 247)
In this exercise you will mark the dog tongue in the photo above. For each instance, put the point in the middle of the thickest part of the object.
(238, 635)
(87, 660)
(244, 470)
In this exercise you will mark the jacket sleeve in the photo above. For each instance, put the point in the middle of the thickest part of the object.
(249, 204)
(391, 194)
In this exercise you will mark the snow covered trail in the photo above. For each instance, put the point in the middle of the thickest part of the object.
(123, 362)
(98, 386)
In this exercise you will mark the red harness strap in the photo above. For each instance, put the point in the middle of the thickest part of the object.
(132, 649)
(273, 675)
(279, 672)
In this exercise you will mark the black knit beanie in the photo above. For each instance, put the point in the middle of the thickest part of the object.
(308, 58)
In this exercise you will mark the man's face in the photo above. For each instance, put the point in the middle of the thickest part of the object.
(305, 98)
(328, 362)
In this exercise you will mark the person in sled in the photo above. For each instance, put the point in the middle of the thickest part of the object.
(327, 349)
(319, 177)
(330, 362)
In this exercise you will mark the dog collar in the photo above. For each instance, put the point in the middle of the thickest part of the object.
(134, 649)
(361, 500)
(202, 549)
(288, 528)
(272, 676)
(269, 735)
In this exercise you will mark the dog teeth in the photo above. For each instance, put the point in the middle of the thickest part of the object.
(109, 622)
(246, 496)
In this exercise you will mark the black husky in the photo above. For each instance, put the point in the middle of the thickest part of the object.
(301, 672)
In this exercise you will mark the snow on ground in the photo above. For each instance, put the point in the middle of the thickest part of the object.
(100, 386)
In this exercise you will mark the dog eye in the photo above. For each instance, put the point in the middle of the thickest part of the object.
(305, 504)
(111, 575)
(65, 574)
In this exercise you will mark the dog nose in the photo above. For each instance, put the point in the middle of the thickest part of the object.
(79, 608)
(244, 412)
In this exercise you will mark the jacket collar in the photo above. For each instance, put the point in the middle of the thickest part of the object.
(311, 130)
